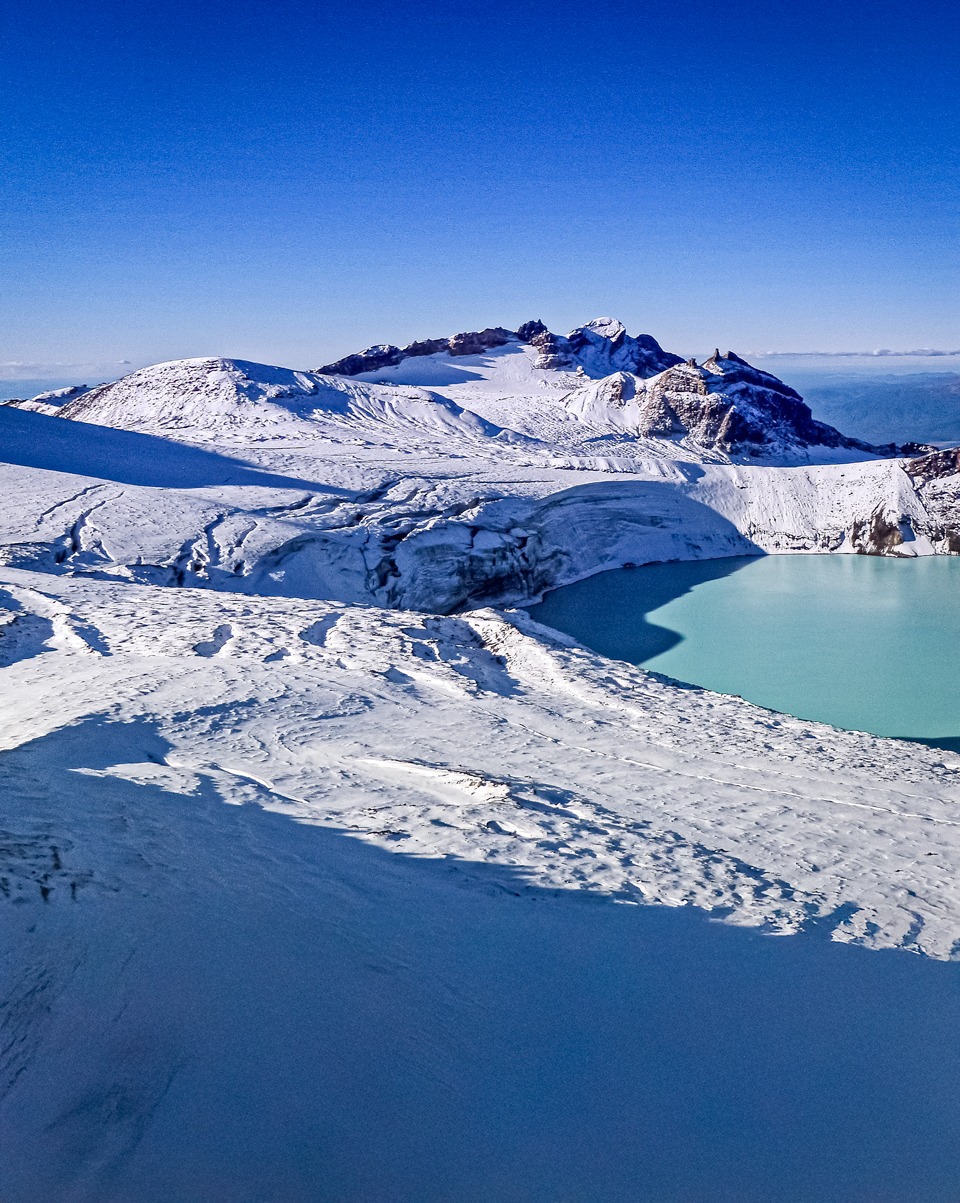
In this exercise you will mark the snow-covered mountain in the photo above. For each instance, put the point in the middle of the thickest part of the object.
(229, 398)
(596, 391)
(724, 404)
(257, 708)
(614, 384)
(598, 348)
(456, 475)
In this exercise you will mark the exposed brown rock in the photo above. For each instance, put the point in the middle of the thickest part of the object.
(475, 342)
(426, 346)
(529, 330)
(373, 359)
(933, 466)
(877, 535)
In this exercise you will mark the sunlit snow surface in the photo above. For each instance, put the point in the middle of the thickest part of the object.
(257, 702)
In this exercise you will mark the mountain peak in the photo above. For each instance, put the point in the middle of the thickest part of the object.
(607, 327)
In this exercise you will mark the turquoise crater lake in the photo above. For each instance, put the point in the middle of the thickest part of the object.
(862, 642)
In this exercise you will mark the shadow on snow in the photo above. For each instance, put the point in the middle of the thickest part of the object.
(33, 440)
(216, 1002)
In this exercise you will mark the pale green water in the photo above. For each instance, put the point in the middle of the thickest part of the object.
(862, 642)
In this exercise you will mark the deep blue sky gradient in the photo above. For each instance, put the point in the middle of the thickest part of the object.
(292, 181)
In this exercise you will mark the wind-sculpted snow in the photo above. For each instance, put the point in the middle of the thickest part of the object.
(441, 523)
(256, 708)
(579, 773)
(254, 698)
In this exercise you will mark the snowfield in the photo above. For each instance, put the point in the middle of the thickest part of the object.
(236, 597)
(578, 772)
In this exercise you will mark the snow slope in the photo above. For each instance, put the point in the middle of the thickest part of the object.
(430, 520)
(230, 398)
(50, 402)
(353, 716)
(316, 901)
(615, 386)
(254, 681)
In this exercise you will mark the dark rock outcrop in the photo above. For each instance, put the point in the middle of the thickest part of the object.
(936, 478)
(879, 535)
(529, 330)
(373, 359)
(729, 404)
(601, 347)
(934, 466)
(476, 342)
(726, 404)
(751, 408)
(598, 348)
(426, 346)
(553, 348)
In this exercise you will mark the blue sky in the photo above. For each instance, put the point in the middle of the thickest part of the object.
(292, 181)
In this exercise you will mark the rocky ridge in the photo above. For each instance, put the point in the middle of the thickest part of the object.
(597, 348)
(726, 404)
(629, 385)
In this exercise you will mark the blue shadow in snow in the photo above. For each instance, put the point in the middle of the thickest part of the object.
(304, 1016)
(58, 445)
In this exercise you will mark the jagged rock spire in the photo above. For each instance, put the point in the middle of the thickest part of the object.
(529, 330)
